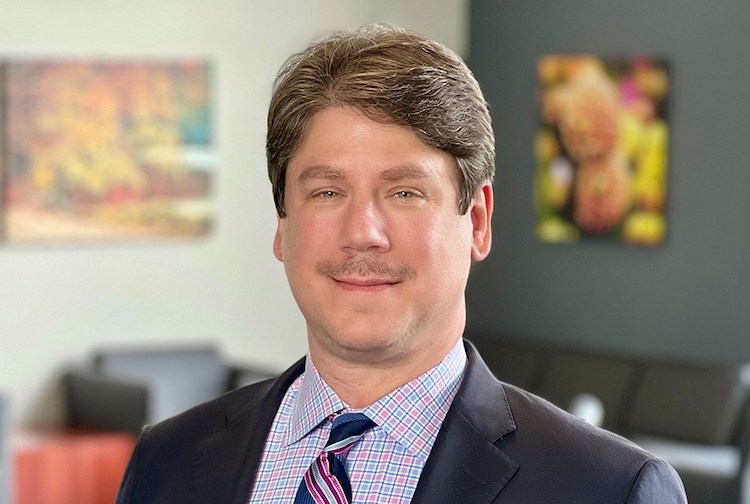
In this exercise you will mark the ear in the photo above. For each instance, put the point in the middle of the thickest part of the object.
(278, 239)
(481, 220)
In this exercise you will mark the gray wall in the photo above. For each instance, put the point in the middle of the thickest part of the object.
(689, 298)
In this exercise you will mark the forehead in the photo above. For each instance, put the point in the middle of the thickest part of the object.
(339, 140)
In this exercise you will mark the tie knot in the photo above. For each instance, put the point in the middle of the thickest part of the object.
(346, 430)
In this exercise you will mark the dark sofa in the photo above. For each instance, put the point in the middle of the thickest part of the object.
(693, 414)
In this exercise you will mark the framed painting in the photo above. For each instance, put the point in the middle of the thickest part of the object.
(103, 150)
(601, 149)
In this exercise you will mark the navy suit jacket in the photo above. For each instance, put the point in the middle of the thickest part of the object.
(498, 444)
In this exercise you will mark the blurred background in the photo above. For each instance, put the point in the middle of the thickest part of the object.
(690, 296)
(61, 306)
(61, 302)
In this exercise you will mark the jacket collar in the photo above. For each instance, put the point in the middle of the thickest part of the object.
(465, 464)
(227, 459)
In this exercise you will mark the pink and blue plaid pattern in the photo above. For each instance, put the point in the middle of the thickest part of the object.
(386, 464)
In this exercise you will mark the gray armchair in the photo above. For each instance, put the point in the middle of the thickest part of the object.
(129, 388)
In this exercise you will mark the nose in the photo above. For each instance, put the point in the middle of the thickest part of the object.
(364, 227)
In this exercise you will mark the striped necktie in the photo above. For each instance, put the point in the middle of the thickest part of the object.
(326, 482)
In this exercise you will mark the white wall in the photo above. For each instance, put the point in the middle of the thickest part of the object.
(58, 304)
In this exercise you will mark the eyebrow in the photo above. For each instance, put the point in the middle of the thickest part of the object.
(321, 172)
(328, 172)
(405, 172)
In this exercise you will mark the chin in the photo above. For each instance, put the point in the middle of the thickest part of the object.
(370, 346)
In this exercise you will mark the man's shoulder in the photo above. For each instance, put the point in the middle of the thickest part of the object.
(217, 414)
(538, 417)
(535, 422)
(542, 453)
(218, 434)
(586, 460)
(544, 429)
(180, 434)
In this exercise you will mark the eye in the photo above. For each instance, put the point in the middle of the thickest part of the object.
(405, 194)
(327, 194)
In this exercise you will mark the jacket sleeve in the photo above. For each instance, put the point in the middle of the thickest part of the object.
(125, 495)
(657, 482)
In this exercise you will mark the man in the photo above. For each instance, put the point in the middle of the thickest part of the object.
(381, 158)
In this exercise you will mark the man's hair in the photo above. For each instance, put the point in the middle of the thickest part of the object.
(392, 76)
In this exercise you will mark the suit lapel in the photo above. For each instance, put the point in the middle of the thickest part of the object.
(465, 465)
(226, 460)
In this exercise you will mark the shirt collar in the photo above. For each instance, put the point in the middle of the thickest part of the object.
(315, 402)
(412, 414)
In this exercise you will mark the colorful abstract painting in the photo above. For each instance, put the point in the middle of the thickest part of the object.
(602, 149)
(106, 150)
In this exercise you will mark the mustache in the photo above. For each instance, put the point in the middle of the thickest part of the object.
(365, 266)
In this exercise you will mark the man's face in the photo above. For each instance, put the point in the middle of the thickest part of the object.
(375, 250)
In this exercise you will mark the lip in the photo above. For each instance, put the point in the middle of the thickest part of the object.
(364, 284)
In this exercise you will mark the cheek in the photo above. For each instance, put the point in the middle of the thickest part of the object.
(442, 244)
(302, 237)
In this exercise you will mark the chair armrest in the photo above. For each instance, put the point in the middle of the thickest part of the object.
(104, 403)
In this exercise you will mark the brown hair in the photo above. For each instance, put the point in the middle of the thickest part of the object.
(391, 75)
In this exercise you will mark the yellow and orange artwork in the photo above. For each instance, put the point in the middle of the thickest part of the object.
(601, 149)
(102, 150)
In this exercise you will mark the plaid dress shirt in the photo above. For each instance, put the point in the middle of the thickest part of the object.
(385, 465)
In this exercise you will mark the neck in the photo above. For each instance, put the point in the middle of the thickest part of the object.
(361, 382)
